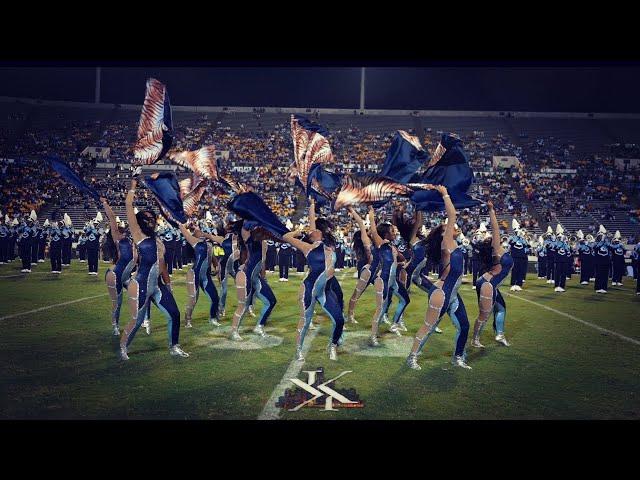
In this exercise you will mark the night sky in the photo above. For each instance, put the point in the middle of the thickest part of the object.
(569, 89)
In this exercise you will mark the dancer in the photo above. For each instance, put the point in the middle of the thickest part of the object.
(199, 276)
(386, 281)
(362, 247)
(118, 276)
(152, 282)
(250, 282)
(495, 266)
(321, 260)
(443, 249)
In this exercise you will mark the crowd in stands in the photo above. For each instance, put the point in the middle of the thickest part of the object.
(261, 157)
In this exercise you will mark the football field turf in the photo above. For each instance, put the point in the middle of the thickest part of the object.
(578, 358)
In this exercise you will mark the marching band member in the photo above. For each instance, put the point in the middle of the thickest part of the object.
(4, 240)
(82, 247)
(93, 245)
(43, 235)
(168, 235)
(13, 238)
(117, 277)
(442, 248)
(55, 248)
(284, 259)
(602, 261)
(585, 255)
(617, 260)
(199, 276)
(151, 282)
(541, 254)
(24, 235)
(563, 257)
(518, 251)
(496, 264)
(551, 255)
(635, 257)
(475, 253)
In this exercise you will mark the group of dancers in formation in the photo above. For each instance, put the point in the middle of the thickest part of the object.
(392, 256)
(141, 273)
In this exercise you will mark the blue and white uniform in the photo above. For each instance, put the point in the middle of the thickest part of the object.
(202, 278)
(146, 287)
(121, 275)
(602, 262)
(498, 306)
(321, 260)
(453, 304)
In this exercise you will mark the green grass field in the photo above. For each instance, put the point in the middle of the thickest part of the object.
(62, 362)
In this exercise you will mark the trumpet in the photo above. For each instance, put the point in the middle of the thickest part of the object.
(504, 238)
(573, 238)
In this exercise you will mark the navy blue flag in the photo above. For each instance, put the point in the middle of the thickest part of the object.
(72, 177)
(323, 185)
(451, 170)
(256, 213)
(166, 190)
(404, 158)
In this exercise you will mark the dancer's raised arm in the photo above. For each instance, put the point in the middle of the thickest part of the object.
(418, 219)
(136, 232)
(366, 241)
(113, 225)
(377, 239)
(292, 239)
(312, 214)
(189, 237)
(498, 250)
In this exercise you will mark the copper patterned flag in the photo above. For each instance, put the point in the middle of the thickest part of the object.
(154, 137)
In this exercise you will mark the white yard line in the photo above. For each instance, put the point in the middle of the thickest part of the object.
(270, 411)
(6, 317)
(572, 317)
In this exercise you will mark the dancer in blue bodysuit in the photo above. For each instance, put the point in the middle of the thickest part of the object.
(117, 277)
(442, 248)
(250, 281)
(362, 247)
(386, 281)
(151, 282)
(199, 276)
(495, 265)
(321, 258)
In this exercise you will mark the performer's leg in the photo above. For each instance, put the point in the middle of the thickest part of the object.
(265, 295)
(212, 293)
(403, 301)
(485, 306)
(331, 306)
(458, 314)
(192, 296)
(432, 318)
(115, 294)
(242, 291)
(499, 314)
(334, 286)
(166, 303)
(361, 285)
(381, 306)
(138, 303)
(306, 300)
